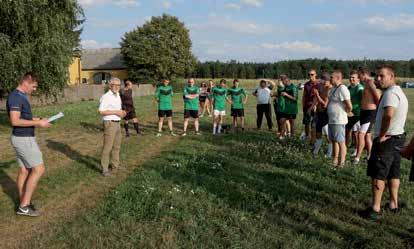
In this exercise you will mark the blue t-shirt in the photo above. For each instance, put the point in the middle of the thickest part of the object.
(18, 101)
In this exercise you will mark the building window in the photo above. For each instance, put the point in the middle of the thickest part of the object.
(101, 78)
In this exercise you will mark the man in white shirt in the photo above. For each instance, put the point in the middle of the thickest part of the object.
(263, 94)
(110, 108)
(389, 138)
(339, 106)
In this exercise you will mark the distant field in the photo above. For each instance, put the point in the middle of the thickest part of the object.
(241, 190)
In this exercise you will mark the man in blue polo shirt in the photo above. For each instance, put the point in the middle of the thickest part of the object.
(29, 156)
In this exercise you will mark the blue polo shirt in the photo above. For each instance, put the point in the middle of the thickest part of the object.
(18, 101)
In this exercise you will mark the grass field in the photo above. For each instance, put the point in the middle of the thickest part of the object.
(240, 190)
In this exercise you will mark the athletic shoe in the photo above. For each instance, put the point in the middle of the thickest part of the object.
(27, 211)
(184, 134)
(172, 134)
(106, 174)
(355, 161)
(159, 134)
(201, 115)
(354, 153)
(198, 133)
(370, 214)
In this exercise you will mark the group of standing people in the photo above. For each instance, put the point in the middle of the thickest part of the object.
(368, 113)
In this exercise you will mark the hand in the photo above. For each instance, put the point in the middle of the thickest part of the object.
(406, 152)
(383, 139)
(316, 92)
(44, 123)
(284, 94)
(121, 113)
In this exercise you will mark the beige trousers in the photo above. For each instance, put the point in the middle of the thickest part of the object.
(111, 144)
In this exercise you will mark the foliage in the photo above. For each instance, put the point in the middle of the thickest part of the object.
(161, 48)
(40, 36)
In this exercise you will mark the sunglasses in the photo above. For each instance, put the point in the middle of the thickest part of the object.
(311, 74)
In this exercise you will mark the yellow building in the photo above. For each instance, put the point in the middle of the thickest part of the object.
(97, 66)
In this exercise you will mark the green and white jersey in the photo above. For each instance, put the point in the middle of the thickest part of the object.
(219, 96)
(237, 96)
(164, 95)
(191, 104)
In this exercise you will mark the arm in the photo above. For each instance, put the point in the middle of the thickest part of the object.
(408, 151)
(389, 112)
(348, 105)
(15, 120)
(246, 97)
(376, 95)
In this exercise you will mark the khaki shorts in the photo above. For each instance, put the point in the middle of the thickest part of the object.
(28, 153)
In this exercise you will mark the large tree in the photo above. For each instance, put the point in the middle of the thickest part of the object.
(161, 48)
(40, 36)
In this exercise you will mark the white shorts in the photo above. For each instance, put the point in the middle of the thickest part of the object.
(27, 151)
(364, 128)
(325, 130)
(219, 113)
(357, 126)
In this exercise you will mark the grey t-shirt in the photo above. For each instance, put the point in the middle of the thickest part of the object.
(392, 97)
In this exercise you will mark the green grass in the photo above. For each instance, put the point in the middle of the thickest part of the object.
(242, 190)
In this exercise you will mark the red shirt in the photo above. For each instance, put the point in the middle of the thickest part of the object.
(308, 93)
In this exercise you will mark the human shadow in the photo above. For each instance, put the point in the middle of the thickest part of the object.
(92, 127)
(88, 161)
(8, 185)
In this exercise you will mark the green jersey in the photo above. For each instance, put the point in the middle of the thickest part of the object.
(191, 104)
(237, 96)
(290, 105)
(219, 96)
(280, 103)
(164, 95)
(356, 98)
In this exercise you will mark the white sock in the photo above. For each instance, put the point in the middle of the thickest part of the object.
(329, 151)
(317, 146)
(219, 129)
(214, 128)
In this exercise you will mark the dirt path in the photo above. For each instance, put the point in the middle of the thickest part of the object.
(16, 232)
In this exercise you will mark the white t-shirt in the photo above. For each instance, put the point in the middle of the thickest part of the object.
(263, 95)
(394, 97)
(110, 101)
(336, 106)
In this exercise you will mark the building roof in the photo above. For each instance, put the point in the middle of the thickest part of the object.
(102, 59)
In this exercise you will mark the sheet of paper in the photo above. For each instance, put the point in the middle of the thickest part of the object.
(56, 117)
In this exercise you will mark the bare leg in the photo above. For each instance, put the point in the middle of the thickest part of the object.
(31, 184)
(185, 124)
(335, 153)
(342, 149)
(160, 123)
(292, 126)
(377, 190)
(196, 124)
(394, 185)
(368, 144)
(361, 144)
(170, 123)
(242, 122)
(21, 181)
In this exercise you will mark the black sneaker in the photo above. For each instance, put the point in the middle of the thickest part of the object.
(370, 214)
(393, 210)
(27, 211)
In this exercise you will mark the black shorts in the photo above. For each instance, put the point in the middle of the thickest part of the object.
(322, 119)
(286, 115)
(202, 99)
(352, 121)
(368, 116)
(384, 163)
(131, 114)
(164, 113)
(237, 112)
(190, 113)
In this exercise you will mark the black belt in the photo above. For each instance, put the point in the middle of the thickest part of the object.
(396, 136)
(115, 121)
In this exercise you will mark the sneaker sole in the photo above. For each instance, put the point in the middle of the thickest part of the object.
(27, 214)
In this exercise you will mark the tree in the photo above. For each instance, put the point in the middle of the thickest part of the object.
(40, 36)
(161, 48)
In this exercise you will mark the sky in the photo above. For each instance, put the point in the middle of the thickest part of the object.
(264, 30)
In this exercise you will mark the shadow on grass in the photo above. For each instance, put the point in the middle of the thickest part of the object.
(8, 184)
(293, 191)
(92, 127)
(88, 161)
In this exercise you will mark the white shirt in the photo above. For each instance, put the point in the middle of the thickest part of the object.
(336, 106)
(110, 101)
(263, 95)
(392, 97)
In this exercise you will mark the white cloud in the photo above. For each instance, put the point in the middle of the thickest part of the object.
(92, 44)
(323, 27)
(166, 4)
(297, 46)
(120, 3)
(364, 2)
(234, 6)
(395, 24)
(254, 3)
(220, 24)
(244, 3)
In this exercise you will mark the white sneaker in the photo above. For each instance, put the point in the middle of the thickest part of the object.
(184, 134)
(159, 134)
